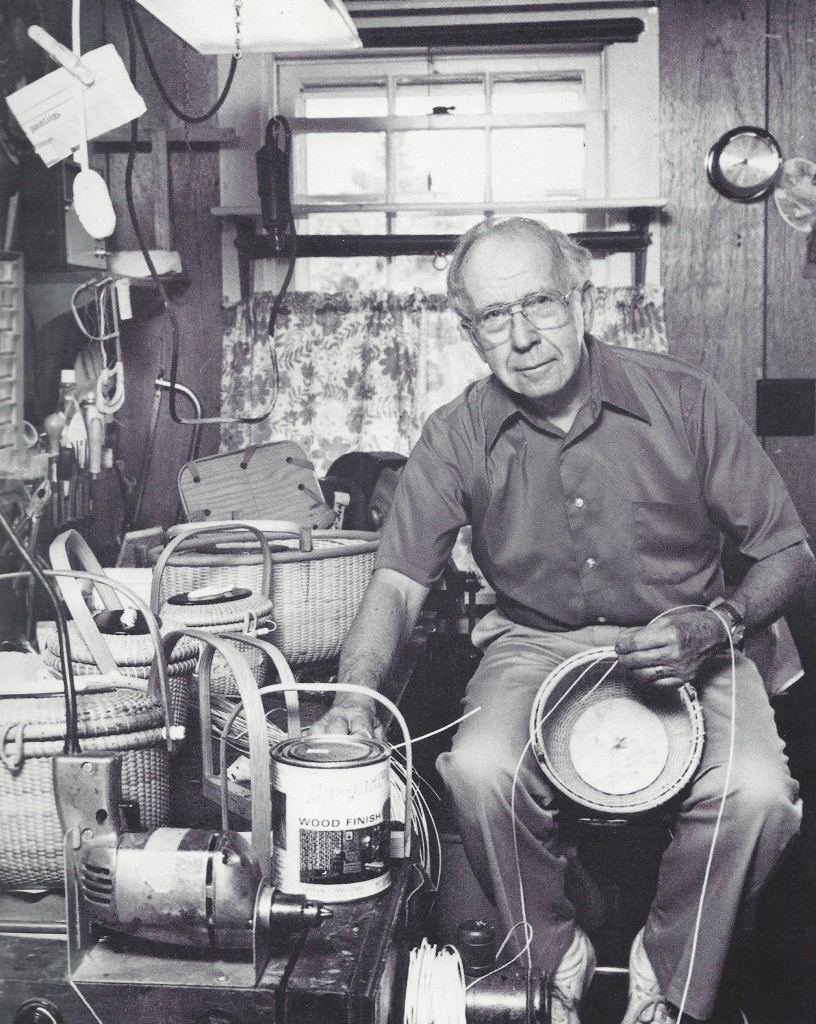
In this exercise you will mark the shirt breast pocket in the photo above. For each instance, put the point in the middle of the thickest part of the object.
(673, 541)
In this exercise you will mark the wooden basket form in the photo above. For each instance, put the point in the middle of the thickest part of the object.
(32, 729)
(582, 682)
(123, 657)
(318, 579)
(256, 806)
(247, 615)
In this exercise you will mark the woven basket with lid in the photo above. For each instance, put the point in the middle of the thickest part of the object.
(233, 610)
(115, 656)
(32, 730)
(133, 656)
(317, 582)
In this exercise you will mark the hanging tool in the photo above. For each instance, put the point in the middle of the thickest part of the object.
(92, 202)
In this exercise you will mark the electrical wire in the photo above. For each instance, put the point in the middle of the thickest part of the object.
(129, 11)
(151, 266)
(71, 745)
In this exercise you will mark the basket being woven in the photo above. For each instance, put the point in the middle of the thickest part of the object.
(32, 730)
(317, 582)
(652, 751)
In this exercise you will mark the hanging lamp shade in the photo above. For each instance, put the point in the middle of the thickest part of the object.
(266, 26)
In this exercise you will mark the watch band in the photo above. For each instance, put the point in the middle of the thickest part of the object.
(736, 626)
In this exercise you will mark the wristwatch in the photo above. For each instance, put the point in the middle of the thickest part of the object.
(736, 623)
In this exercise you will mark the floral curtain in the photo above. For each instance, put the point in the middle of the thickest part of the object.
(361, 372)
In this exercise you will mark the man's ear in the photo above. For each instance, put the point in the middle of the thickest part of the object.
(588, 305)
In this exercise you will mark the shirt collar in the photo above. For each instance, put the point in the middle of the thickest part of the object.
(609, 383)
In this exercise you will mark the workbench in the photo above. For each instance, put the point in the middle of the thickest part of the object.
(351, 970)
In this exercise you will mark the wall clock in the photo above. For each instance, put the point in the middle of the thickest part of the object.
(744, 163)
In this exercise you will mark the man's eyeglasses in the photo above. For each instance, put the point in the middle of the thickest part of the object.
(544, 310)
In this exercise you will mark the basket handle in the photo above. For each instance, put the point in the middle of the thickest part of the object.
(195, 529)
(259, 752)
(266, 526)
(63, 548)
(158, 686)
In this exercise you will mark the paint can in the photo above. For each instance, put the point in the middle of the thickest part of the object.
(330, 817)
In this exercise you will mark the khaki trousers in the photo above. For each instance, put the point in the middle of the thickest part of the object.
(762, 811)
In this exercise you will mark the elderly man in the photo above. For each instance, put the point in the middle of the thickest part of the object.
(599, 482)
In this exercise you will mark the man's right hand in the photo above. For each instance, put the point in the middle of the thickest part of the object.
(349, 718)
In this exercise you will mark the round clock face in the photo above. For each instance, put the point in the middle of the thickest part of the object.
(744, 164)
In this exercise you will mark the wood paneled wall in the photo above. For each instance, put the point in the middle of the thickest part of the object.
(736, 299)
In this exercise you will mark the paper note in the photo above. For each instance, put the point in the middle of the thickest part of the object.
(49, 109)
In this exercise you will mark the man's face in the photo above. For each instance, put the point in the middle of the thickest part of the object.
(529, 360)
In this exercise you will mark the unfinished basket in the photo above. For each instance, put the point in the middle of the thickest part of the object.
(318, 578)
(609, 743)
(225, 609)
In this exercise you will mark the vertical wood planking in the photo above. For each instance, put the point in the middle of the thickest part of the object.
(791, 320)
(712, 65)
(192, 176)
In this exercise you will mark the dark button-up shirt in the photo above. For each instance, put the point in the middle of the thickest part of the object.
(620, 519)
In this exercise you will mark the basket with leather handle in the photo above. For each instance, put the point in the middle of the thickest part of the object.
(220, 607)
(317, 580)
(128, 719)
(126, 655)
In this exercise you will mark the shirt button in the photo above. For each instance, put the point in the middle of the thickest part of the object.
(579, 502)
(602, 619)
(590, 563)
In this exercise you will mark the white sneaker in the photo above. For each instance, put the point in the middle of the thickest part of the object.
(571, 980)
(646, 1002)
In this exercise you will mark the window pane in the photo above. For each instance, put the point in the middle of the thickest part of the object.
(566, 222)
(537, 96)
(347, 273)
(537, 163)
(345, 163)
(408, 272)
(434, 223)
(439, 165)
(415, 98)
(363, 100)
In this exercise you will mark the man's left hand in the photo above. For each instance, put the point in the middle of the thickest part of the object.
(670, 651)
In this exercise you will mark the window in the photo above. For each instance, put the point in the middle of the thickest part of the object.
(431, 145)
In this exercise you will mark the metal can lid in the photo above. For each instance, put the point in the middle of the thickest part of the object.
(337, 751)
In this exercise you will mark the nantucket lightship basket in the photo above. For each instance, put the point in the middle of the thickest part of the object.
(317, 579)
(116, 718)
(226, 609)
(609, 743)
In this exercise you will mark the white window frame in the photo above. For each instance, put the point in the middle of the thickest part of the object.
(293, 74)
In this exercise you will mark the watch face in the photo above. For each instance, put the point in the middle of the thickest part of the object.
(744, 164)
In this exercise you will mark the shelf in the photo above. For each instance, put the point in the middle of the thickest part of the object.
(254, 245)
(551, 206)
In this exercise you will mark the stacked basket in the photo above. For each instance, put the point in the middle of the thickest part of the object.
(317, 580)
(119, 719)
(220, 607)
(122, 655)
